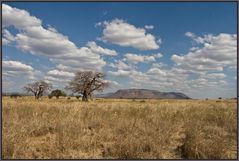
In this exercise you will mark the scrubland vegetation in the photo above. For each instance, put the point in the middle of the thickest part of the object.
(118, 129)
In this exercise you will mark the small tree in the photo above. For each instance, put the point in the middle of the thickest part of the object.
(38, 88)
(57, 93)
(86, 83)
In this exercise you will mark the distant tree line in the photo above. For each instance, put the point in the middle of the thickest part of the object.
(15, 95)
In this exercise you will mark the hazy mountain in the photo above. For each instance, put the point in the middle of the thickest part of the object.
(143, 93)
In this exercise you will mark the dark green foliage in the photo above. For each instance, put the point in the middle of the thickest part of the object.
(57, 93)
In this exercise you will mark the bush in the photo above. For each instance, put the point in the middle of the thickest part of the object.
(77, 97)
(57, 93)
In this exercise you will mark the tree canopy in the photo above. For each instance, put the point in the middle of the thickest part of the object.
(86, 82)
(38, 88)
(57, 93)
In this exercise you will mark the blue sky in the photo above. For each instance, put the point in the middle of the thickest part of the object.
(186, 47)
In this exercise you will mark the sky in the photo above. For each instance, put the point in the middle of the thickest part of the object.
(188, 47)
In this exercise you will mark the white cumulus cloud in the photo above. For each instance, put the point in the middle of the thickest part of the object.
(149, 27)
(17, 74)
(98, 49)
(17, 17)
(33, 38)
(134, 58)
(7, 37)
(217, 52)
(124, 34)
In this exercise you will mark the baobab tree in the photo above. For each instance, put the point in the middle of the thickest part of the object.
(37, 88)
(86, 83)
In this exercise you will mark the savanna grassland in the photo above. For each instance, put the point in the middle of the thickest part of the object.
(118, 129)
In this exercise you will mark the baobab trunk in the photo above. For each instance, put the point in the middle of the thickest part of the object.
(36, 96)
(85, 96)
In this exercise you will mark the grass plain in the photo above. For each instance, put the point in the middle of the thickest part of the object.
(118, 129)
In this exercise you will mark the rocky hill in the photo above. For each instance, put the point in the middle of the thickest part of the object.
(144, 93)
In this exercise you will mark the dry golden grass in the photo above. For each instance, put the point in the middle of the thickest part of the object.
(118, 129)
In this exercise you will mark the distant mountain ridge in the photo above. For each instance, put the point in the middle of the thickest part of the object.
(143, 94)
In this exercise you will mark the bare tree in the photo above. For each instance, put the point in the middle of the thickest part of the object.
(37, 88)
(87, 82)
